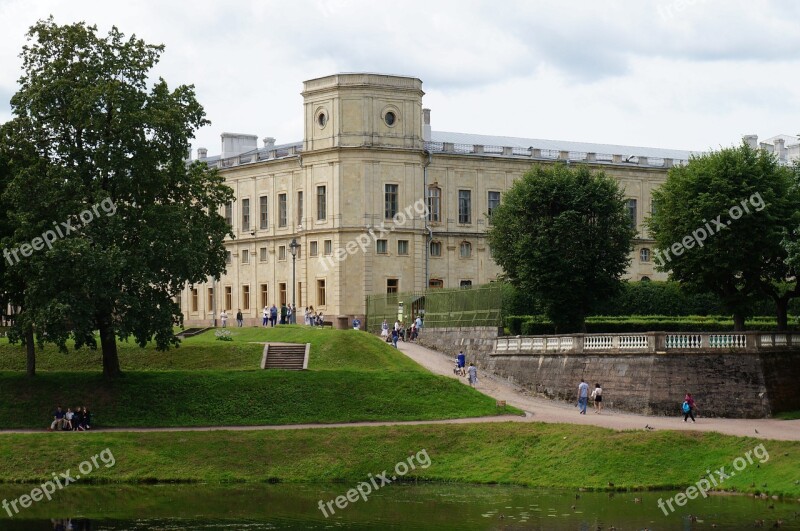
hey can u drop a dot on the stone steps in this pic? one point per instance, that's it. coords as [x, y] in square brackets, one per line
[286, 356]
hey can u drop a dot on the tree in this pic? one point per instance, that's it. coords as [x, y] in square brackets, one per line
[111, 222]
[720, 224]
[562, 234]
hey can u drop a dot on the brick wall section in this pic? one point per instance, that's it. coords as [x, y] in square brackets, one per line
[737, 385]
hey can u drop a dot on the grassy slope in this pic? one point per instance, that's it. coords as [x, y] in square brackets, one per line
[546, 455]
[354, 376]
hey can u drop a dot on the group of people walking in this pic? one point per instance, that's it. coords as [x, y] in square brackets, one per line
[271, 316]
[584, 396]
[400, 331]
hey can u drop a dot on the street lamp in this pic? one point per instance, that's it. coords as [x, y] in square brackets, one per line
[293, 249]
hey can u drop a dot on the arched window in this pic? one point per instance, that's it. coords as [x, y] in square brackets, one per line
[645, 279]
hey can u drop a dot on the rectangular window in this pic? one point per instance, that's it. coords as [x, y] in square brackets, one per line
[327, 247]
[322, 204]
[282, 289]
[245, 214]
[264, 295]
[630, 205]
[392, 285]
[434, 204]
[195, 302]
[282, 252]
[228, 257]
[281, 210]
[436, 248]
[299, 208]
[465, 206]
[383, 246]
[465, 284]
[389, 201]
[245, 256]
[320, 292]
[229, 213]
[313, 248]
[210, 299]
[228, 298]
[245, 297]
[263, 212]
[494, 202]
[436, 283]
[402, 247]
[262, 254]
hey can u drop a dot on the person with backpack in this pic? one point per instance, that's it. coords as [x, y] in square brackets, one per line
[688, 407]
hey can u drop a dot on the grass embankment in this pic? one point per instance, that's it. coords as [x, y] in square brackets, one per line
[354, 377]
[544, 455]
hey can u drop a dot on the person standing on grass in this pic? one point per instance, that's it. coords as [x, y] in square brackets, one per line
[688, 406]
[273, 315]
[224, 317]
[264, 316]
[597, 396]
[472, 375]
[239, 318]
[283, 313]
[583, 396]
[385, 330]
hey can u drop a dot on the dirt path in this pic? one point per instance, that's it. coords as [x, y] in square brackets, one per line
[545, 410]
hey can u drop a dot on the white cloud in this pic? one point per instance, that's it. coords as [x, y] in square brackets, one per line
[669, 73]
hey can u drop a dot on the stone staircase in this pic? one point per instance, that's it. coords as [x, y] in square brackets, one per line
[286, 356]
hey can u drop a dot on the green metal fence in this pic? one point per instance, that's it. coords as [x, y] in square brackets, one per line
[440, 308]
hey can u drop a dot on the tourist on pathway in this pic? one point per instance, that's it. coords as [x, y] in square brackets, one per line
[385, 330]
[356, 324]
[473, 375]
[283, 313]
[239, 318]
[597, 396]
[461, 362]
[418, 325]
[273, 315]
[289, 314]
[583, 396]
[294, 314]
[395, 336]
[224, 318]
[688, 407]
[264, 316]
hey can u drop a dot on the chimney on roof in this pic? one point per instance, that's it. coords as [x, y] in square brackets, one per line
[769, 148]
[780, 149]
[751, 140]
[202, 153]
[426, 125]
[269, 143]
[236, 143]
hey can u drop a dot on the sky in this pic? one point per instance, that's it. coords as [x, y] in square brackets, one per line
[680, 74]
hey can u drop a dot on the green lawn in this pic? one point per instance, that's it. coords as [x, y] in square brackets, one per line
[330, 350]
[353, 376]
[545, 455]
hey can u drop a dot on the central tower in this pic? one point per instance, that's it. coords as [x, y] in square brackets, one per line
[362, 110]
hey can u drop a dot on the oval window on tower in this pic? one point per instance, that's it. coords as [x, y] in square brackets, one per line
[389, 118]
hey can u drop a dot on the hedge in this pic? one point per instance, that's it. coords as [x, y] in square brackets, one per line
[538, 326]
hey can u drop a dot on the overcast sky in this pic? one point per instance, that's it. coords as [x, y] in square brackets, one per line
[684, 74]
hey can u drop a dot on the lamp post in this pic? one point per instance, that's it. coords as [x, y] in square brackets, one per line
[293, 249]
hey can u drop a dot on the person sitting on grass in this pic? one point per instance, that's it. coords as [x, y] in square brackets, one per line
[86, 424]
[77, 419]
[58, 419]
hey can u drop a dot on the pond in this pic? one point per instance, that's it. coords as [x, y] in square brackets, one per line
[396, 506]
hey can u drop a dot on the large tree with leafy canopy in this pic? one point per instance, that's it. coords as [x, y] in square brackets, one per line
[721, 226]
[98, 150]
[562, 234]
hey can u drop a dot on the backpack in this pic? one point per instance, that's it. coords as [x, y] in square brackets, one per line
[685, 407]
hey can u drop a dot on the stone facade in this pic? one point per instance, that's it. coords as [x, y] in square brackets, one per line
[366, 158]
[743, 384]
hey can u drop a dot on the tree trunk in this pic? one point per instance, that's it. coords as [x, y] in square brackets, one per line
[108, 341]
[782, 308]
[30, 349]
[738, 322]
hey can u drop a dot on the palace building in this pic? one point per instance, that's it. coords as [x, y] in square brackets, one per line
[377, 202]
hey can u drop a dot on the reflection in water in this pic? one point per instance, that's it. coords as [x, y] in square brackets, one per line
[401, 506]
